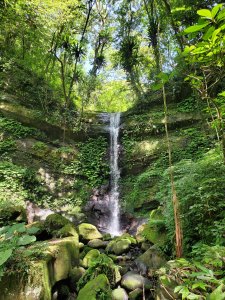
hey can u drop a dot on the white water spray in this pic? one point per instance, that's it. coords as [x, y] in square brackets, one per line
[114, 221]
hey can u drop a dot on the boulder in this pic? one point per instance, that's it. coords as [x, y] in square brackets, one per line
[88, 232]
[12, 213]
[132, 280]
[90, 256]
[94, 288]
[119, 294]
[54, 222]
[120, 244]
[135, 294]
[151, 259]
[97, 243]
[60, 257]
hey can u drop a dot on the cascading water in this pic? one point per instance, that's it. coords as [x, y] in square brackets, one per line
[114, 220]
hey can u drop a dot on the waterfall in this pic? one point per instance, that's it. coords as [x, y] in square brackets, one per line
[114, 220]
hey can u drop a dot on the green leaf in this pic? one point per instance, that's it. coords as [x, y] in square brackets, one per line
[195, 28]
[218, 294]
[199, 284]
[32, 230]
[221, 15]
[208, 33]
[4, 256]
[26, 240]
[222, 94]
[216, 9]
[206, 13]
[178, 288]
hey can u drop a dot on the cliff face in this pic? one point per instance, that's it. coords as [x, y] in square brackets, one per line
[52, 167]
[62, 169]
[144, 150]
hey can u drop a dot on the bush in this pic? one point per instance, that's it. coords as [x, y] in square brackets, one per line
[200, 187]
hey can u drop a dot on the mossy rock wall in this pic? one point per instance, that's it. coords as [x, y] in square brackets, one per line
[144, 149]
[61, 256]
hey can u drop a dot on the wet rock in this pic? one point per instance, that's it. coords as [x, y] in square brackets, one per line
[118, 247]
[151, 259]
[107, 237]
[135, 294]
[94, 287]
[90, 256]
[119, 294]
[132, 280]
[89, 232]
[120, 244]
[97, 243]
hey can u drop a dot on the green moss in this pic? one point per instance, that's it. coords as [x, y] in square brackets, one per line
[96, 289]
[54, 223]
[91, 256]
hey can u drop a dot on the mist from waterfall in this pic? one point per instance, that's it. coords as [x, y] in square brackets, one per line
[114, 221]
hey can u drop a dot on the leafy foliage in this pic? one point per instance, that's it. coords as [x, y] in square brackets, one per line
[13, 239]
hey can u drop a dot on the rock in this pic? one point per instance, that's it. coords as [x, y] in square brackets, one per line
[94, 288]
[151, 259]
[135, 294]
[89, 232]
[90, 256]
[12, 213]
[155, 231]
[75, 274]
[120, 244]
[119, 294]
[54, 223]
[106, 237]
[139, 234]
[81, 246]
[97, 243]
[59, 259]
[146, 245]
[132, 280]
[68, 230]
[118, 247]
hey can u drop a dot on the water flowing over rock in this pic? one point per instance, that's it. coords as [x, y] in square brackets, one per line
[114, 220]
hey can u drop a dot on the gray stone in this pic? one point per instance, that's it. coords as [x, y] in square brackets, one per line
[119, 294]
[97, 243]
[132, 280]
[89, 232]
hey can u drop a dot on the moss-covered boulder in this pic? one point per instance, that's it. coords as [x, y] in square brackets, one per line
[67, 230]
[121, 244]
[119, 294]
[155, 230]
[54, 223]
[132, 280]
[95, 288]
[89, 257]
[88, 232]
[150, 259]
[97, 243]
[60, 256]
[12, 213]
